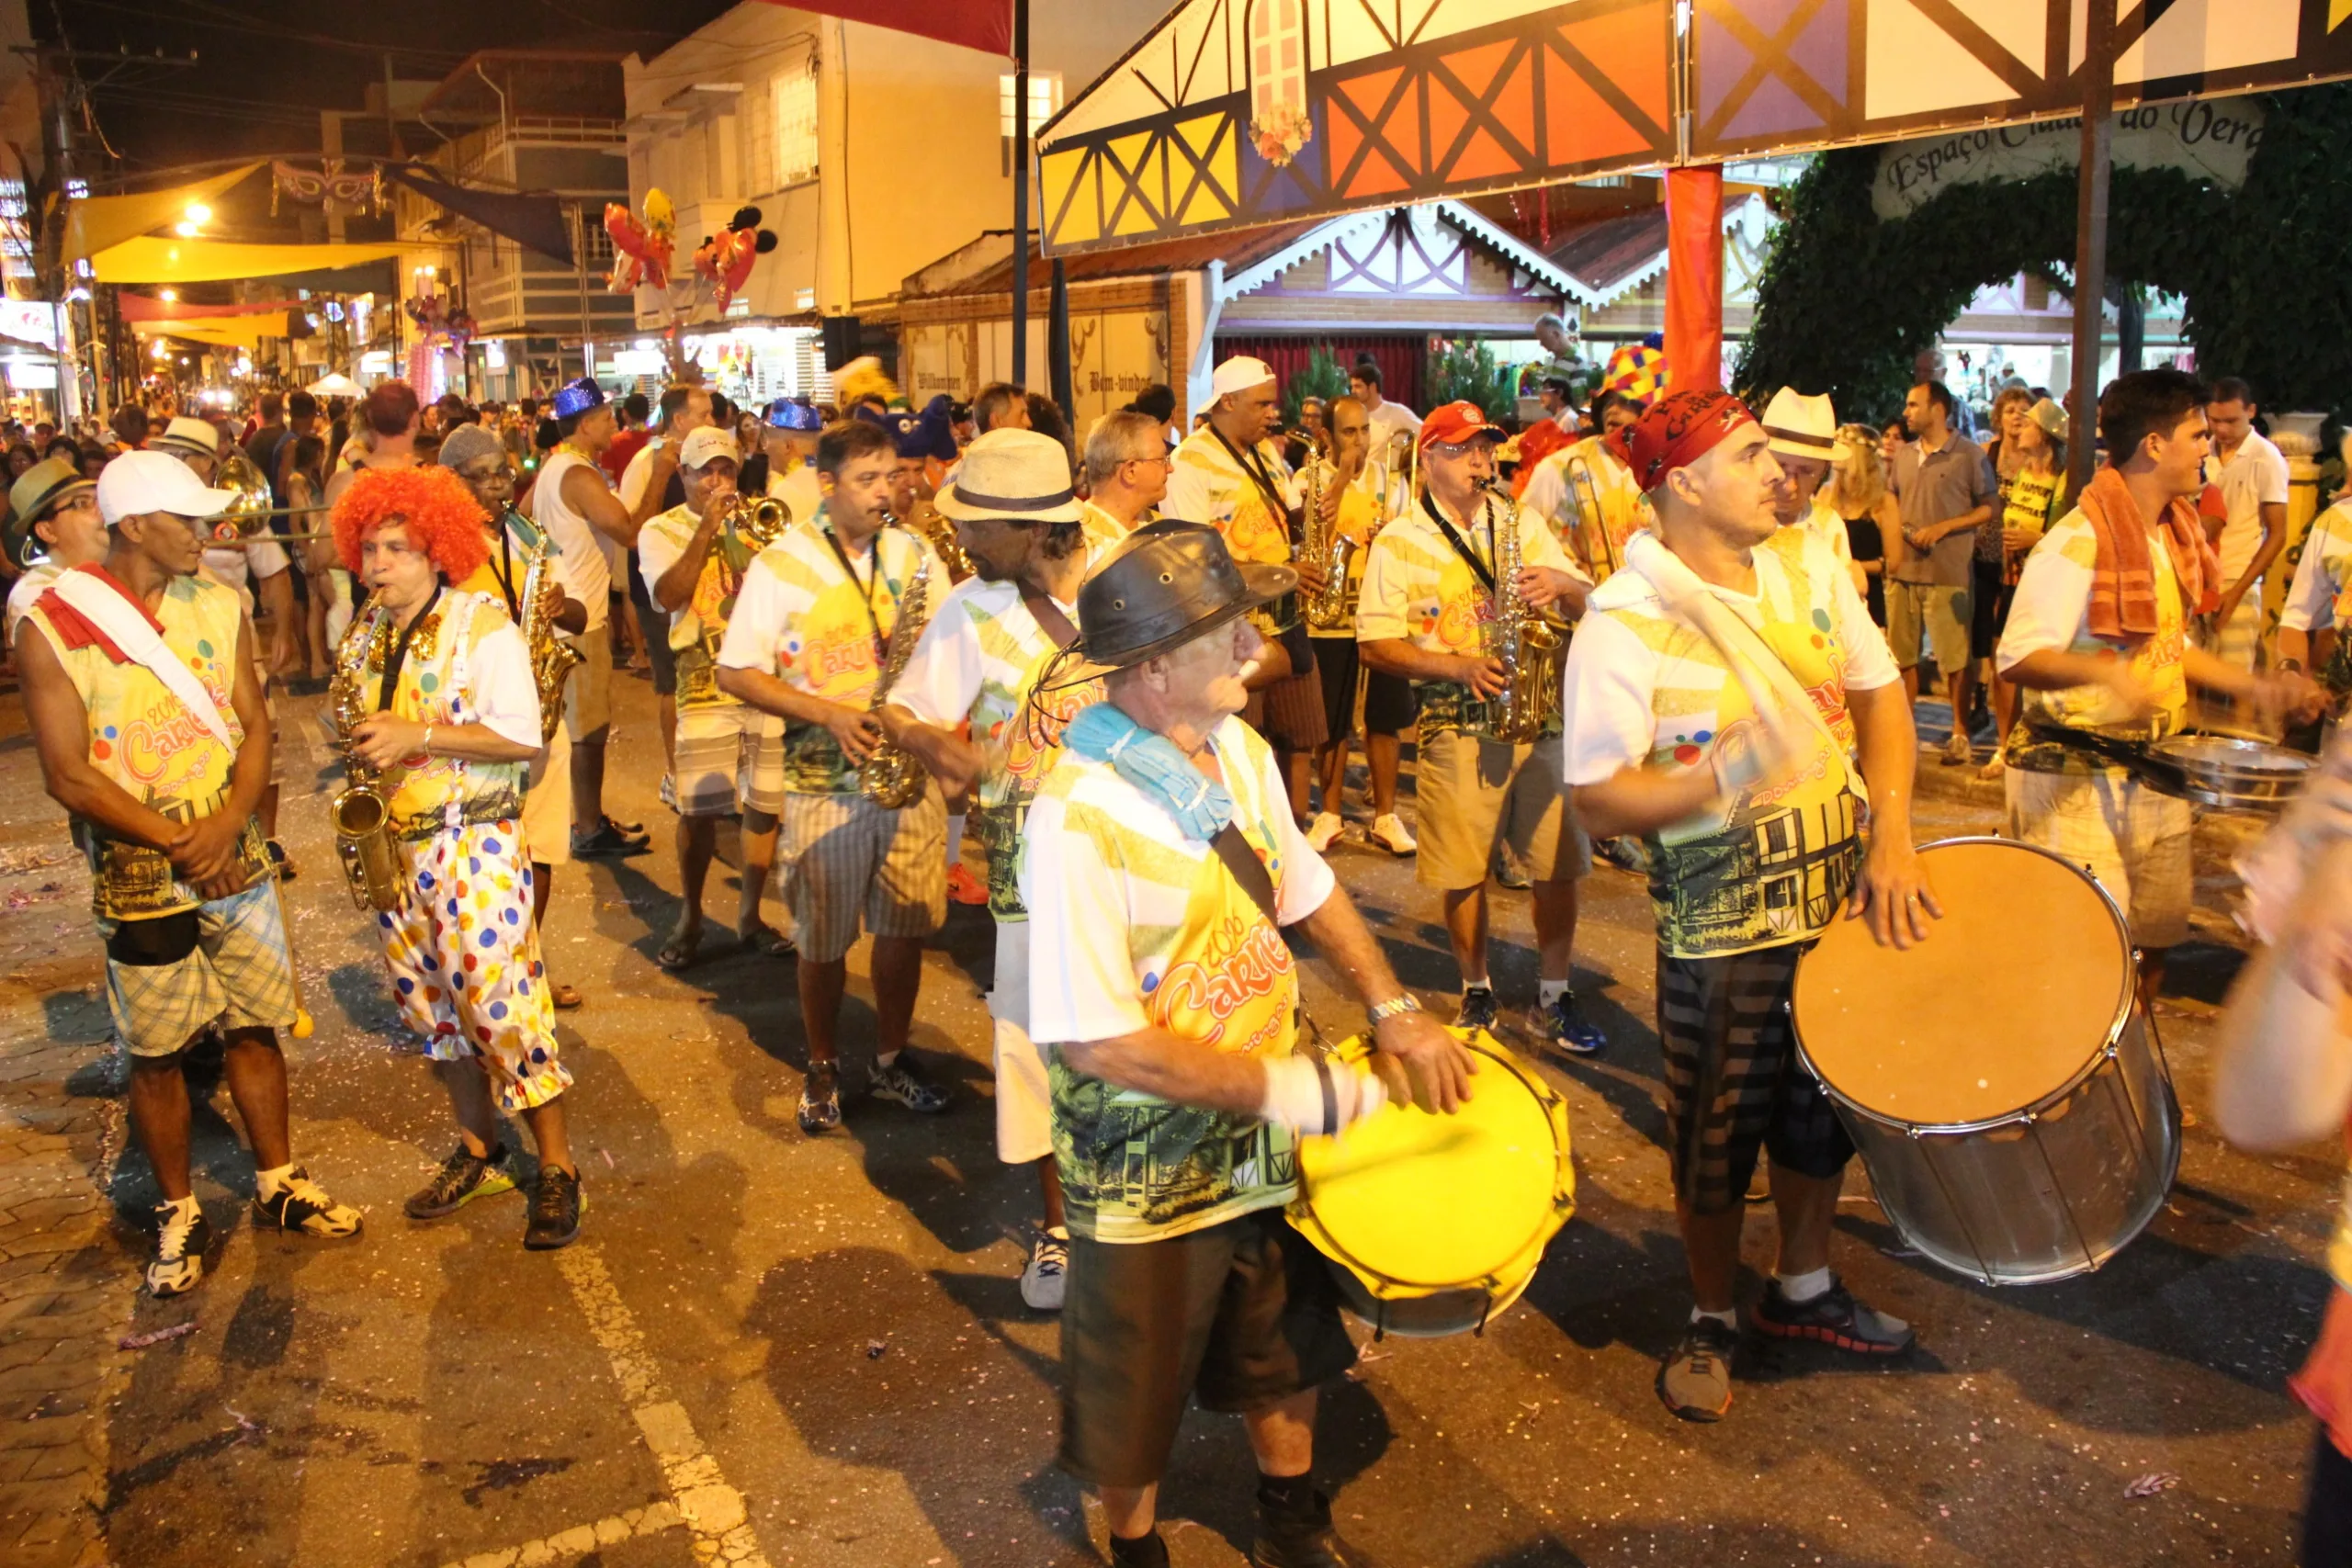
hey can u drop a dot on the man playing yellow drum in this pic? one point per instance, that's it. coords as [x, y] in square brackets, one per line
[979, 660]
[730, 757]
[451, 722]
[1158, 861]
[146, 707]
[1430, 594]
[1748, 805]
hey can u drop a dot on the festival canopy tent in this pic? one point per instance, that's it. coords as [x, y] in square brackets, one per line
[147, 308]
[334, 384]
[147, 259]
[94, 224]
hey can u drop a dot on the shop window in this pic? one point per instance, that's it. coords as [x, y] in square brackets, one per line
[1044, 102]
[1279, 123]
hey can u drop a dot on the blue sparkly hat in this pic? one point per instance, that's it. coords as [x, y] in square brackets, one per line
[578, 397]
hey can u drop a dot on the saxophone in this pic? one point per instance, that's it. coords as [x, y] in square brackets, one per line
[888, 777]
[1530, 646]
[1333, 551]
[551, 657]
[360, 815]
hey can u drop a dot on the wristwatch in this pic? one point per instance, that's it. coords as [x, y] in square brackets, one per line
[1401, 1003]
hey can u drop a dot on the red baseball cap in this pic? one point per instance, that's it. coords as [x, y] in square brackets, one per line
[1676, 431]
[1457, 422]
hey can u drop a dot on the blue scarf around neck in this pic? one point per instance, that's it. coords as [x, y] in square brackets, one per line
[1154, 765]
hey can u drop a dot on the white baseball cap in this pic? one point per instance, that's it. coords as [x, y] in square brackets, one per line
[140, 482]
[706, 442]
[1237, 374]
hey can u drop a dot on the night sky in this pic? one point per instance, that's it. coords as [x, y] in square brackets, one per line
[264, 68]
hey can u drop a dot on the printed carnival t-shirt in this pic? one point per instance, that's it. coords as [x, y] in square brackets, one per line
[800, 617]
[1134, 925]
[978, 658]
[1418, 589]
[696, 631]
[144, 740]
[1644, 688]
[2321, 596]
[465, 664]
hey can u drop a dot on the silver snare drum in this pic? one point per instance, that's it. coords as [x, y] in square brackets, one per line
[2001, 1079]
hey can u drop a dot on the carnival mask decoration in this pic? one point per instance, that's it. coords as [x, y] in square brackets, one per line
[641, 251]
[725, 258]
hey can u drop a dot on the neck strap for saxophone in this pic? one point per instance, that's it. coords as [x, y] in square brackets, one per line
[1479, 568]
[1253, 463]
[872, 585]
[399, 655]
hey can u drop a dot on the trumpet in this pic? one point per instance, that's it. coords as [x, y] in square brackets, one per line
[1585, 491]
[756, 520]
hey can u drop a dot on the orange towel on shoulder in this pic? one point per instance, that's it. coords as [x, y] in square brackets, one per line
[2123, 580]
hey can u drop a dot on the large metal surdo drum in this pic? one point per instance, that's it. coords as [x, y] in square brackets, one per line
[2000, 1079]
[1432, 1222]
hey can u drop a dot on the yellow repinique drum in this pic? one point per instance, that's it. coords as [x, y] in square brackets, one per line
[1434, 1224]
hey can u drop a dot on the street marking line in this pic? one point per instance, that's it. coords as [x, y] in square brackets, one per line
[700, 1497]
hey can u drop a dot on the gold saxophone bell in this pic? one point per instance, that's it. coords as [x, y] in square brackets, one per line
[1329, 549]
[890, 777]
[363, 841]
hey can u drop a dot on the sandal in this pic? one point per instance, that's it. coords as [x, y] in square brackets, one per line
[681, 949]
[565, 998]
[767, 941]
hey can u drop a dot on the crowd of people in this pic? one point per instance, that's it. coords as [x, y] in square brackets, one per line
[1129, 664]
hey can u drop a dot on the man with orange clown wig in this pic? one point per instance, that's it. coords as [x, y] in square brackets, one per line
[451, 723]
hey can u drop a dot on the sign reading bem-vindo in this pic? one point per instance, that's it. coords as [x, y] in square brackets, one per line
[2210, 139]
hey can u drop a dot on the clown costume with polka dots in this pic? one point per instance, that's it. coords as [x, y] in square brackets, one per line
[452, 725]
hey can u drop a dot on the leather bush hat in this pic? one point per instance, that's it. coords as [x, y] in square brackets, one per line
[1170, 583]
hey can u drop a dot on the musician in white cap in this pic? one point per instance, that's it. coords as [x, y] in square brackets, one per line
[146, 708]
[1231, 474]
[1803, 428]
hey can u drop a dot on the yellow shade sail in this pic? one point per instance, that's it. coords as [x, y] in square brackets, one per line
[146, 259]
[94, 224]
[226, 332]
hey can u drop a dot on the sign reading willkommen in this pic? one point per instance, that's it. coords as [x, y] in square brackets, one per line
[2207, 138]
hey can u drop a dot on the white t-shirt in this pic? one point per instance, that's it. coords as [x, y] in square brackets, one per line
[506, 694]
[27, 588]
[1387, 420]
[2255, 476]
[587, 572]
[798, 491]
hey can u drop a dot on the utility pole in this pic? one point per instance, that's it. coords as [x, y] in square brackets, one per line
[2090, 238]
[1021, 193]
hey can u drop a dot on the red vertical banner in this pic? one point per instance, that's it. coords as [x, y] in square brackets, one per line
[1694, 276]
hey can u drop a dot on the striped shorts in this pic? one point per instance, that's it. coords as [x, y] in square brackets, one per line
[844, 856]
[240, 974]
[730, 757]
[1733, 1081]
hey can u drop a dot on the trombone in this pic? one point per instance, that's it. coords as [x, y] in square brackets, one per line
[1585, 491]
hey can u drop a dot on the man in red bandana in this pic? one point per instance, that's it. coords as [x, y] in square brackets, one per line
[1665, 741]
[147, 709]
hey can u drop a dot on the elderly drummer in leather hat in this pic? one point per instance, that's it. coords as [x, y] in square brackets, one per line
[1159, 863]
[1719, 693]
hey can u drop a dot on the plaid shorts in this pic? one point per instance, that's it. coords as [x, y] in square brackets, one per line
[729, 755]
[239, 974]
[1733, 1082]
[844, 856]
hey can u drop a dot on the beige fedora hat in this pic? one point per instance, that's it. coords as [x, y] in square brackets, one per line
[1021, 476]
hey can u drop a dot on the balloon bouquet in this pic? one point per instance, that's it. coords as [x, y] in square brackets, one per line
[644, 248]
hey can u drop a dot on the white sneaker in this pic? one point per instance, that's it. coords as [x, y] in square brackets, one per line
[1323, 830]
[1959, 748]
[1042, 1283]
[1389, 833]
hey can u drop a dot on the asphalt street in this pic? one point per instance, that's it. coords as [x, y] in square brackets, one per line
[770, 1349]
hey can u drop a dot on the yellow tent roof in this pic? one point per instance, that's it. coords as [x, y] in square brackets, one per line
[229, 332]
[98, 223]
[147, 259]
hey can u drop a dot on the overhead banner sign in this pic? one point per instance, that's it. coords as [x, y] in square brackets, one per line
[2206, 138]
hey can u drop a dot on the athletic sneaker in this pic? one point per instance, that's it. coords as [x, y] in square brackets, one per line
[1695, 1378]
[963, 887]
[668, 793]
[1563, 1026]
[904, 1082]
[181, 1236]
[1834, 1317]
[1049, 1271]
[1323, 830]
[463, 1176]
[1509, 870]
[555, 1209]
[1388, 832]
[1479, 1009]
[301, 1204]
[1958, 749]
[820, 1099]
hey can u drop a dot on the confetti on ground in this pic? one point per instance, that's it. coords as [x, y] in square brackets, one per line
[2155, 1481]
[141, 1341]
